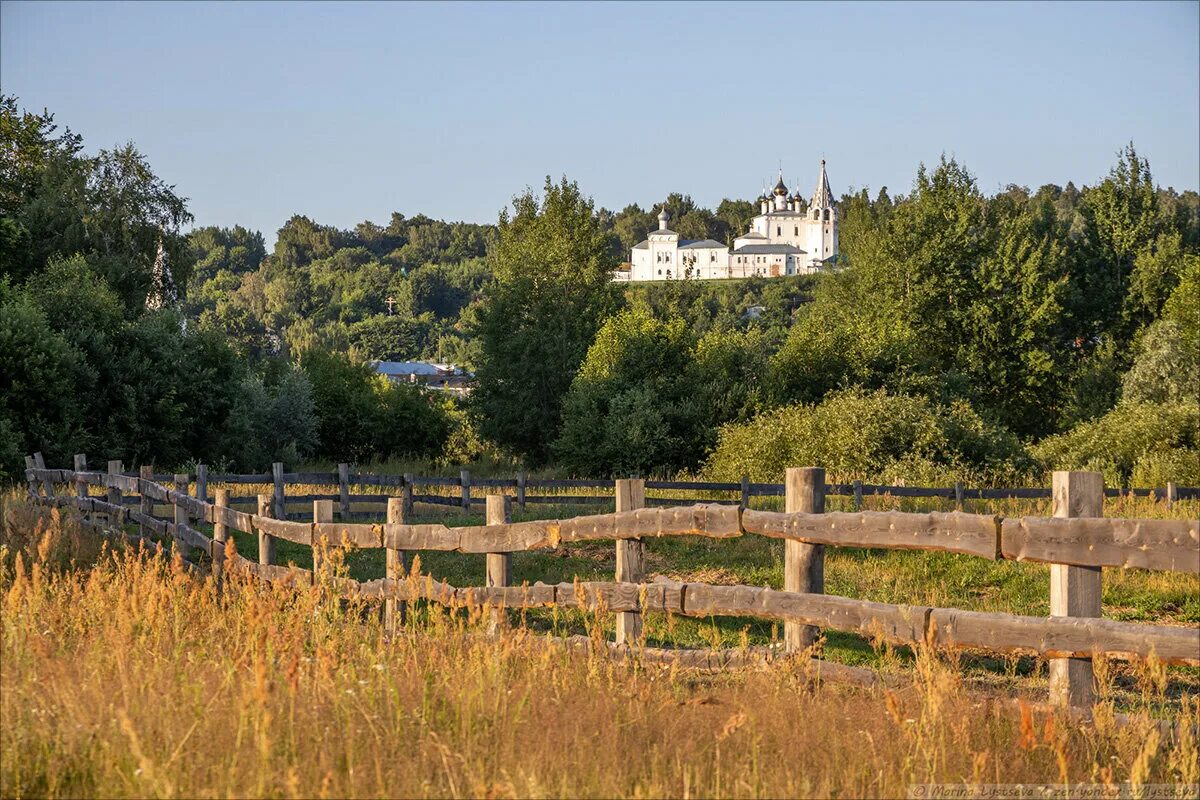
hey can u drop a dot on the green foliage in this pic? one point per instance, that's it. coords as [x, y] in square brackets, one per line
[869, 436]
[631, 406]
[363, 416]
[961, 315]
[553, 267]
[1165, 370]
[465, 445]
[1135, 442]
[273, 419]
[111, 208]
[948, 294]
[38, 373]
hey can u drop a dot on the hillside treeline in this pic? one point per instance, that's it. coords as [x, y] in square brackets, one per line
[970, 336]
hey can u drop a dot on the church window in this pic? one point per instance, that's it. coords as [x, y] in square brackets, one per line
[797, 233]
[778, 230]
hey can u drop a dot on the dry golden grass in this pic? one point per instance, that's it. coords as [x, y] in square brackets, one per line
[132, 678]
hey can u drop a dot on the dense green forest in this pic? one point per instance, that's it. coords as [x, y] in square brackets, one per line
[970, 336]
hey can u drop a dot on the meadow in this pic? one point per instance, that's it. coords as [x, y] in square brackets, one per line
[127, 675]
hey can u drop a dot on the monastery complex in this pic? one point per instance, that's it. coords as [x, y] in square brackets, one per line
[784, 239]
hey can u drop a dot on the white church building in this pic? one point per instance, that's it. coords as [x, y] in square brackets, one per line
[784, 239]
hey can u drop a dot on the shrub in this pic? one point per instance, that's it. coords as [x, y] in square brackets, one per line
[870, 436]
[1136, 442]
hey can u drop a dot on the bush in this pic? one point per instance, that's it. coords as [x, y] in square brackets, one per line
[1166, 369]
[1141, 443]
[634, 406]
[870, 436]
[362, 416]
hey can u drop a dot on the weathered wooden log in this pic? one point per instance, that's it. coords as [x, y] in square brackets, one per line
[337, 534]
[279, 504]
[148, 522]
[290, 575]
[81, 489]
[704, 520]
[344, 492]
[220, 532]
[1075, 591]
[499, 562]
[631, 557]
[395, 569]
[39, 463]
[266, 542]
[895, 623]
[322, 514]
[154, 491]
[312, 478]
[714, 521]
[227, 478]
[298, 532]
[954, 532]
[189, 536]
[1160, 544]
[1052, 637]
[238, 520]
[1064, 637]
[508, 537]
[803, 562]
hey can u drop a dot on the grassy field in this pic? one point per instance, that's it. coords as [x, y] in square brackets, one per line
[133, 678]
[927, 578]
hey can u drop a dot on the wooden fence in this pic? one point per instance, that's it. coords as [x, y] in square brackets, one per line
[1077, 542]
[458, 490]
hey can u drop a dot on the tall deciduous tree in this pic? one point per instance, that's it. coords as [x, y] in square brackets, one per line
[553, 268]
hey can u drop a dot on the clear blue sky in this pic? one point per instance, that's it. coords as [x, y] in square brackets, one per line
[348, 112]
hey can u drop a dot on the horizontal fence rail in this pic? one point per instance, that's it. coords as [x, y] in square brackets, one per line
[1077, 546]
[746, 489]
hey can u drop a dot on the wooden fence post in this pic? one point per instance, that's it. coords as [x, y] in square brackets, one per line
[803, 564]
[40, 463]
[81, 487]
[499, 565]
[1172, 494]
[146, 504]
[522, 478]
[322, 512]
[115, 518]
[406, 492]
[202, 482]
[344, 491]
[858, 495]
[266, 544]
[1075, 591]
[958, 495]
[220, 535]
[465, 479]
[280, 506]
[745, 492]
[181, 515]
[631, 557]
[33, 484]
[395, 565]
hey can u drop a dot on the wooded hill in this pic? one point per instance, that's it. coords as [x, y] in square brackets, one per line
[972, 336]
